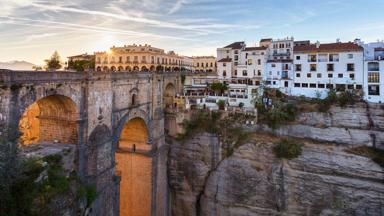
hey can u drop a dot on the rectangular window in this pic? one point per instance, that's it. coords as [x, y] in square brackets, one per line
[373, 90]
[224, 73]
[304, 85]
[258, 72]
[319, 75]
[273, 65]
[309, 75]
[333, 57]
[297, 85]
[249, 61]
[352, 76]
[224, 64]
[298, 75]
[329, 86]
[359, 86]
[321, 86]
[312, 58]
[298, 67]
[330, 75]
[350, 56]
[298, 57]
[330, 67]
[350, 86]
[312, 85]
[340, 75]
[235, 72]
[245, 73]
[340, 87]
[313, 67]
[350, 67]
[373, 66]
[258, 61]
[374, 77]
[323, 57]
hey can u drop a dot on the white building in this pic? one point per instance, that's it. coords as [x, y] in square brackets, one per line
[279, 65]
[373, 72]
[238, 64]
[318, 67]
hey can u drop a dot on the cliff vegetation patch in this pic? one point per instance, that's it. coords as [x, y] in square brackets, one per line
[288, 149]
[377, 155]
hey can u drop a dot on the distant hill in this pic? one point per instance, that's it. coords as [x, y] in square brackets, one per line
[16, 65]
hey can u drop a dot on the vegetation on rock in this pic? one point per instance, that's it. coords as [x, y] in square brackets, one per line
[231, 134]
[377, 155]
[32, 186]
[288, 149]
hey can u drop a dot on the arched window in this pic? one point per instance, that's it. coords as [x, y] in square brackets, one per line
[133, 102]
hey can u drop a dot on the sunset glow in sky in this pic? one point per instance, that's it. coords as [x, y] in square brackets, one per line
[32, 29]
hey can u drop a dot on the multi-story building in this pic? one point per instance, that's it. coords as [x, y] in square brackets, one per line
[373, 72]
[318, 67]
[240, 64]
[206, 64]
[279, 65]
[138, 58]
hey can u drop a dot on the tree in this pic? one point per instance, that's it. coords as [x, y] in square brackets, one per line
[36, 68]
[219, 87]
[54, 62]
[81, 65]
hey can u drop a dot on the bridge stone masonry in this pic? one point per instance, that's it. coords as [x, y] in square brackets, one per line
[115, 121]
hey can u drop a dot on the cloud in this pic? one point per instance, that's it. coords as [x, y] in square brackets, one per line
[39, 36]
[177, 6]
[72, 26]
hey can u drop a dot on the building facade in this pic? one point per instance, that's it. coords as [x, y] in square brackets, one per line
[139, 58]
[205, 64]
[318, 67]
[373, 72]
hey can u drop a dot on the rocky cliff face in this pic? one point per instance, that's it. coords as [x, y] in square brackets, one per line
[324, 180]
[360, 124]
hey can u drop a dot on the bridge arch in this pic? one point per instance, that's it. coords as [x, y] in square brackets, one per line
[120, 68]
[136, 68]
[50, 119]
[134, 165]
[128, 68]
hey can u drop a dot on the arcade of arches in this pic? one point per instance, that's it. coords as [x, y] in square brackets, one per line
[134, 169]
[50, 119]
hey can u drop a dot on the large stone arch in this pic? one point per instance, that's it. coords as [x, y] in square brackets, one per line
[49, 119]
[132, 113]
[134, 165]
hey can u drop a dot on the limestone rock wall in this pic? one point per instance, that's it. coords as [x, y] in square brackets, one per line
[360, 124]
[189, 165]
[324, 180]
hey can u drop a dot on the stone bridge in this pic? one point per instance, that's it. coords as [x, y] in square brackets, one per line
[114, 120]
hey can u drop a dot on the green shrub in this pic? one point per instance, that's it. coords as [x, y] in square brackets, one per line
[288, 149]
[241, 104]
[280, 114]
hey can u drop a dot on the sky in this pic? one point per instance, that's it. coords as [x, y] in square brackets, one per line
[32, 30]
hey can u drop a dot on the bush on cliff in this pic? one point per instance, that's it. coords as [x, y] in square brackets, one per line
[288, 149]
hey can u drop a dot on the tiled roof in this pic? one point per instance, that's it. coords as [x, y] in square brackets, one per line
[236, 45]
[379, 49]
[225, 60]
[331, 47]
[266, 40]
[255, 48]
